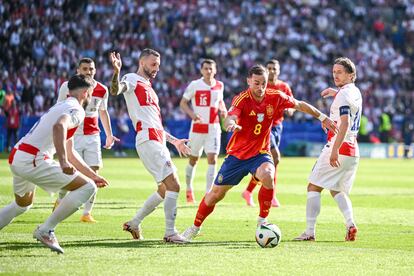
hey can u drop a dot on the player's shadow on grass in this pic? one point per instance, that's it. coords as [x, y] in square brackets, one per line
[18, 246]
[122, 243]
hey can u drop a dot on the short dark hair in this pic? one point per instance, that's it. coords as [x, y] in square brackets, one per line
[348, 65]
[85, 60]
[148, 52]
[208, 61]
[257, 69]
[272, 61]
[79, 81]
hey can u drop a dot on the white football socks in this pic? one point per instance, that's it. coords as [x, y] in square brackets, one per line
[211, 173]
[313, 208]
[345, 205]
[9, 212]
[170, 211]
[68, 205]
[189, 176]
[149, 206]
[87, 208]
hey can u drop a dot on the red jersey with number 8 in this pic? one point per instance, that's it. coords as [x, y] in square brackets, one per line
[256, 119]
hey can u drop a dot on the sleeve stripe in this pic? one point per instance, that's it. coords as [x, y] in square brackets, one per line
[240, 98]
[344, 110]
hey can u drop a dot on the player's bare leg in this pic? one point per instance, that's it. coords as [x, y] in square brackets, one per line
[205, 208]
[189, 178]
[265, 174]
[345, 206]
[211, 170]
[87, 208]
[313, 208]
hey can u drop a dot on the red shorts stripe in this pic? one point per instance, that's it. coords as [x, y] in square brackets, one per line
[200, 128]
[90, 126]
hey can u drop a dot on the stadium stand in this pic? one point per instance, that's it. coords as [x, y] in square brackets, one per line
[41, 41]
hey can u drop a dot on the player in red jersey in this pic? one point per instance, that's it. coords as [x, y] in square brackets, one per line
[274, 83]
[250, 117]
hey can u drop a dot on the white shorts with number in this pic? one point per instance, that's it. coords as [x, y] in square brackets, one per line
[210, 142]
[156, 158]
[89, 148]
[338, 179]
[45, 173]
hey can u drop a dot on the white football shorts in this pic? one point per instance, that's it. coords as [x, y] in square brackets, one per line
[45, 173]
[338, 179]
[210, 142]
[89, 148]
[156, 158]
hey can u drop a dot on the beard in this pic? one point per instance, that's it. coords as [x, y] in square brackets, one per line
[149, 74]
[85, 103]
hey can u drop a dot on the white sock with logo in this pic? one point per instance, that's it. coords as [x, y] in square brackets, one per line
[69, 205]
[345, 205]
[170, 211]
[189, 176]
[313, 208]
[149, 206]
[87, 208]
[9, 212]
[211, 173]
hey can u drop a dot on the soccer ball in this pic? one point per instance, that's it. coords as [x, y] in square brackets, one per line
[268, 235]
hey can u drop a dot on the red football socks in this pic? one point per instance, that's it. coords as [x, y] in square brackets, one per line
[203, 212]
[252, 185]
[265, 201]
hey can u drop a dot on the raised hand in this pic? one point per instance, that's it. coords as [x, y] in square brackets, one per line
[116, 61]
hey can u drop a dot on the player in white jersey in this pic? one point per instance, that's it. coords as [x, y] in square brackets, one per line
[206, 96]
[87, 140]
[336, 166]
[31, 162]
[144, 111]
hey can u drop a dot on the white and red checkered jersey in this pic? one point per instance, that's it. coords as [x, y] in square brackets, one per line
[40, 136]
[143, 108]
[99, 101]
[205, 101]
[348, 100]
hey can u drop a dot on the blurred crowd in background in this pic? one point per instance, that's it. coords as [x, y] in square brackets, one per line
[41, 42]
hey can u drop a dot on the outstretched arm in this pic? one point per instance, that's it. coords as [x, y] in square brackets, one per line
[179, 144]
[311, 110]
[116, 86]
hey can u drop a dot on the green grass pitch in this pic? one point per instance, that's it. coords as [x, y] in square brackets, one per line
[383, 200]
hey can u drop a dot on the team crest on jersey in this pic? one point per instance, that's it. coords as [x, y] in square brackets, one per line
[220, 178]
[269, 110]
[260, 117]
